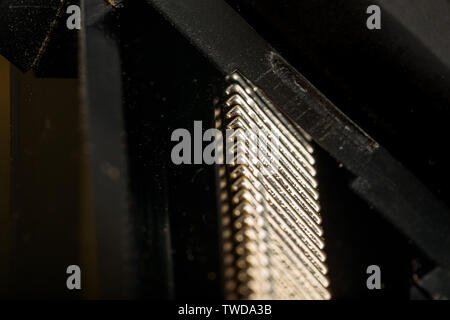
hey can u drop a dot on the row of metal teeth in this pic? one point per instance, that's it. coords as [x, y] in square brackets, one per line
[273, 244]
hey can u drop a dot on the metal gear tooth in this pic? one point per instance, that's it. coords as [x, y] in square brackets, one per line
[273, 220]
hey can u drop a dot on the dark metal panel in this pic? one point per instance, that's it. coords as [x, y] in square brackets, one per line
[102, 93]
[226, 39]
[25, 28]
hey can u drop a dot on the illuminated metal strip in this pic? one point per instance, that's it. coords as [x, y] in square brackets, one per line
[316, 267]
[239, 122]
[311, 281]
[276, 117]
[289, 179]
[285, 220]
[277, 192]
[272, 237]
[241, 98]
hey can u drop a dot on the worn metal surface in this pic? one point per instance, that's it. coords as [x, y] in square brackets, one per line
[230, 43]
[106, 145]
[273, 240]
[33, 35]
[26, 28]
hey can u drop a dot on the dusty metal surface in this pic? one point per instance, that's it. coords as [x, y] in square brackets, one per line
[272, 235]
[26, 29]
[106, 145]
[230, 43]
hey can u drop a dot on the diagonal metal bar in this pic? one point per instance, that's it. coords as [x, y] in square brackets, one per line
[231, 44]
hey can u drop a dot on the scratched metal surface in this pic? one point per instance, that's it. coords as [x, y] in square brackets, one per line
[230, 43]
[382, 181]
[25, 29]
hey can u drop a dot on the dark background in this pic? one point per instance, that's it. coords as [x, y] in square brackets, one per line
[388, 81]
